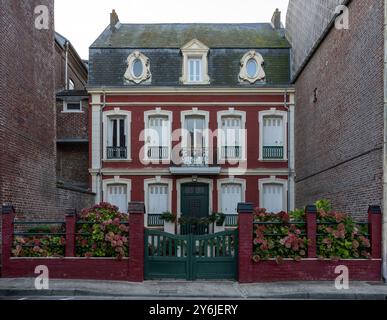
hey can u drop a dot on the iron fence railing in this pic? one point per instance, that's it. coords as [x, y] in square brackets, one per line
[273, 152]
[117, 153]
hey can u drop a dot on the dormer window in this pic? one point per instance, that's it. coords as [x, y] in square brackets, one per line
[138, 70]
[252, 68]
[195, 63]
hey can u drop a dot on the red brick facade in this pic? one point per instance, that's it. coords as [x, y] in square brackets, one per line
[339, 130]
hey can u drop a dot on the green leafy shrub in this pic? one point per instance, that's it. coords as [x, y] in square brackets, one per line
[39, 246]
[277, 237]
[102, 232]
[168, 217]
[340, 237]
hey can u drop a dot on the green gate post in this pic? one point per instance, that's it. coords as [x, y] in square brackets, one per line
[245, 243]
[136, 212]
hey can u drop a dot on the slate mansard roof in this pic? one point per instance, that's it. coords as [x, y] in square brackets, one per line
[161, 43]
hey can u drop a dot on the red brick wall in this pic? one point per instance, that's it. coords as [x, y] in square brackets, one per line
[339, 138]
[72, 125]
[27, 114]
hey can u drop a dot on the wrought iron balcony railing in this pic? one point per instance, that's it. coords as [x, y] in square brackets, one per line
[158, 153]
[154, 220]
[231, 152]
[231, 220]
[195, 156]
[117, 153]
[273, 153]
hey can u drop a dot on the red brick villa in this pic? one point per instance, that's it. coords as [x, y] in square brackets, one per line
[192, 118]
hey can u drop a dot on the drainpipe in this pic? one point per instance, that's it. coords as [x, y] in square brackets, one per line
[66, 65]
[101, 144]
[384, 236]
[288, 146]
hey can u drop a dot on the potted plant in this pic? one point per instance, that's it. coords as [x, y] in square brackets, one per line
[169, 222]
[218, 219]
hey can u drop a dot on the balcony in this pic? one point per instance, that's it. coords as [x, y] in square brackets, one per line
[273, 153]
[195, 161]
[158, 153]
[229, 152]
[195, 157]
[116, 153]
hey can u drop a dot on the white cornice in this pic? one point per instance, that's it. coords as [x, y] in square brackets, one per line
[188, 90]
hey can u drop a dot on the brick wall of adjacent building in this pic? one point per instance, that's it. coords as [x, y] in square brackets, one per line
[72, 125]
[28, 115]
[339, 138]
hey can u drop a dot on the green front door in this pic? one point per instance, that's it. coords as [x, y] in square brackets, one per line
[195, 200]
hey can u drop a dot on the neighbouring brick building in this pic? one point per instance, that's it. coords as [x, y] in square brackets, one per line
[339, 125]
[159, 91]
[72, 109]
[28, 132]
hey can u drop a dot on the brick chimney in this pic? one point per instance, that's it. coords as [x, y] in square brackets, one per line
[114, 20]
[276, 20]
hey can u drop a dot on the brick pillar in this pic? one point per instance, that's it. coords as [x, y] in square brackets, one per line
[8, 216]
[136, 241]
[71, 220]
[245, 241]
[311, 225]
[375, 231]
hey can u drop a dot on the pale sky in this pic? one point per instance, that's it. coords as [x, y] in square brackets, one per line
[82, 21]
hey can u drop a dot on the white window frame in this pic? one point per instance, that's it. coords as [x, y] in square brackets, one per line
[117, 181]
[117, 112]
[259, 76]
[156, 180]
[155, 113]
[65, 110]
[206, 115]
[274, 180]
[195, 50]
[230, 180]
[146, 75]
[232, 113]
[273, 113]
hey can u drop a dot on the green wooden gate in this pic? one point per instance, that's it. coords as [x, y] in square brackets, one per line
[191, 256]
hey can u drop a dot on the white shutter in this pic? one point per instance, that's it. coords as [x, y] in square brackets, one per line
[159, 132]
[110, 132]
[231, 196]
[273, 198]
[273, 132]
[158, 198]
[117, 195]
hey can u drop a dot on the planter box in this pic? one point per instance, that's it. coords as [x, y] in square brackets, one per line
[169, 227]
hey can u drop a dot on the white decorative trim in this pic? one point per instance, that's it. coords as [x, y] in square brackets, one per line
[128, 122]
[117, 181]
[166, 172]
[230, 180]
[232, 112]
[158, 112]
[189, 90]
[260, 74]
[146, 75]
[273, 112]
[179, 182]
[195, 49]
[156, 180]
[274, 180]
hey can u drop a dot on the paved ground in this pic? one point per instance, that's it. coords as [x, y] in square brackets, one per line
[159, 290]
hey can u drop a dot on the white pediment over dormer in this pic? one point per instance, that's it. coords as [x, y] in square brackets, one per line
[195, 63]
[195, 45]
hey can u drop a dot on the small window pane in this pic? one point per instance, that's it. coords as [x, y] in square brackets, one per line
[137, 68]
[74, 106]
[252, 68]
